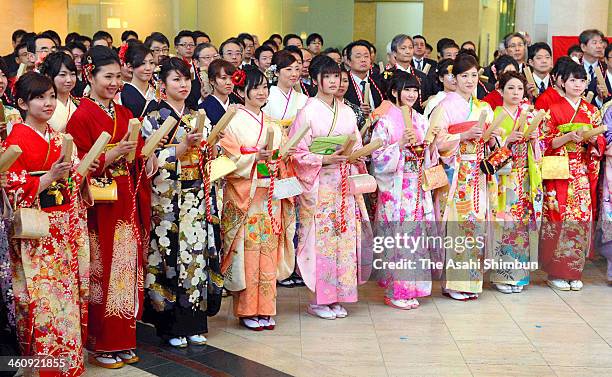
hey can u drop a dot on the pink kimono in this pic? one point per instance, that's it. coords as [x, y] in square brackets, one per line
[328, 258]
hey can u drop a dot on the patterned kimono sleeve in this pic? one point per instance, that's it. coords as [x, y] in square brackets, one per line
[386, 160]
[21, 188]
[79, 129]
[550, 131]
[307, 165]
[166, 157]
[232, 147]
[447, 144]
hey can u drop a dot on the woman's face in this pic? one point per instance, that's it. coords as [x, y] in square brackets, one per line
[107, 81]
[329, 83]
[449, 82]
[257, 96]
[77, 55]
[144, 72]
[177, 86]
[408, 96]
[289, 76]
[467, 81]
[41, 107]
[574, 87]
[344, 84]
[513, 92]
[222, 84]
[65, 80]
[3, 82]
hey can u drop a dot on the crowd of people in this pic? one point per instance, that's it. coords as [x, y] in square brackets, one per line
[245, 166]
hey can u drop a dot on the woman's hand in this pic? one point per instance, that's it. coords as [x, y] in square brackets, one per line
[533, 135]
[123, 147]
[472, 134]
[263, 154]
[58, 171]
[94, 165]
[289, 153]
[560, 141]
[334, 158]
[514, 137]
[593, 139]
[191, 139]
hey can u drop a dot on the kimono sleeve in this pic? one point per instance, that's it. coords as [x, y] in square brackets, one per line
[166, 156]
[232, 147]
[80, 129]
[307, 164]
[446, 144]
[21, 187]
[385, 160]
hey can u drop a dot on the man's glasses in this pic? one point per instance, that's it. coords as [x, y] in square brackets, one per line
[161, 50]
[186, 45]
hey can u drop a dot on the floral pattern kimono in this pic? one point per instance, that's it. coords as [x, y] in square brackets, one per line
[464, 204]
[403, 207]
[183, 281]
[569, 204]
[329, 258]
[51, 274]
[519, 207]
[257, 232]
[282, 107]
[605, 214]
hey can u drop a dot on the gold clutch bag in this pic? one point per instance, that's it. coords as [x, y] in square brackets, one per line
[434, 177]
[555, 167]
[103, 190]
[30, 223]
[220, 167]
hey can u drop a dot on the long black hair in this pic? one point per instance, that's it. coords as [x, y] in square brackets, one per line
[401, 81]
[323, 65]
[170, 64]
[53, 63]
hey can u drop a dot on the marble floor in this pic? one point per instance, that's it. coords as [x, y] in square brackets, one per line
[540, 332]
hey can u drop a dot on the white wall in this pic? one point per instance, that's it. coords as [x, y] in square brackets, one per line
[396, 18]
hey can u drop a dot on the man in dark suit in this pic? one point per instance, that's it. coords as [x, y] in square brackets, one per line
[419, 61]
[591, 43]
[358, 59]
[11, 59]
[402, 49]
[540, 60]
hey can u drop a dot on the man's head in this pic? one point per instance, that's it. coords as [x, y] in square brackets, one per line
[184, 43]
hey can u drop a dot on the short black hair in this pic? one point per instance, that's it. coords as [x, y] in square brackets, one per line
[183, 34]
[31, 85]
[136, 54]
[228, 41]
[442, 67]
[283, 59]
[52, 64]
[72, 45]
[503, 61]
[589, 34]
[245, 36]
[170, 64]
[261, 49]
[274, 36]
[400, 81]
[349, 48]
[127, 34]
[574, 69]
[322, 65]
[52, 34]
[71, 37]
[468, 43]
[270, 42]
[536, 47]
[100, 56]
[101, 34]
[331, 50]
[560, 66]
[290, 36]
[156, 36]
[428, 47]
[607, 51]
[199, 33]
[313, 37]
[446, 45]
[31, 41]
[19, 33]
[441, 42]
[254, 78]
[83, 38]
[574, 48]
[294, 50]
[218, 65]
[419, 36]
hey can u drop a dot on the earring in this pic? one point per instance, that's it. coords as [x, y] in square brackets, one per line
[163, 92]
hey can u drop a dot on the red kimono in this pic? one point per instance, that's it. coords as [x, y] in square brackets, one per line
[569, 207]
[546, 99]
[494, 98]
[50, 274]
[117, 231]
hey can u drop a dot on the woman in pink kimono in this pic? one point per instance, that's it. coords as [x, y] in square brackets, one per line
[403, 207]
[464, 203]
[329, 217]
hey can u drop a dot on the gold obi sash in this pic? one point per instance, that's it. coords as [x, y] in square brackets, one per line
[118, 168]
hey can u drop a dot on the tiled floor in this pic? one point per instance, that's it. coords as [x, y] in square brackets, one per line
[539, 332]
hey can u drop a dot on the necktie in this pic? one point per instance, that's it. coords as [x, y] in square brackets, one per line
[542, 87]
[419, 64]
[362, 88]
[592, 73]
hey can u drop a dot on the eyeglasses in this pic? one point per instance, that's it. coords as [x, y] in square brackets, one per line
[186, 45]
[158, 50]
[209, 57]
[230, 53]
[517, 45]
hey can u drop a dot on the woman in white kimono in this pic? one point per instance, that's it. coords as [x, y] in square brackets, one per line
[60, 68]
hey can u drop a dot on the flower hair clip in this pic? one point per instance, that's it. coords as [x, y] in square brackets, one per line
[122, 52]
[88, 67]
[239, 78]
[271, 73]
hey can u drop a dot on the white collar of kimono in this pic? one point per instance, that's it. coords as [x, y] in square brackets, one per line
[179, 113]
[252, 113]
[45, 135]
[150, 91]
[224, 105]
[574, 105]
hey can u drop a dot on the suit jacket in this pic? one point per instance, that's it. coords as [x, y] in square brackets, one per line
[376, 89]
[609, 86]
[431, 62]
[593, 83]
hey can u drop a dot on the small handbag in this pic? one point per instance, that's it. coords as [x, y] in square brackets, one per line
[30, 223]
[361, 184]
[286, 188]
[496, 160]
[434, 178]
[555, 167]
[103, 190]
[220, 167]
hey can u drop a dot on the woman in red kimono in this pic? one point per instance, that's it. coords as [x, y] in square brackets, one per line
[554, 93]
[118, 229]
[569, 204]
[50, 273]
